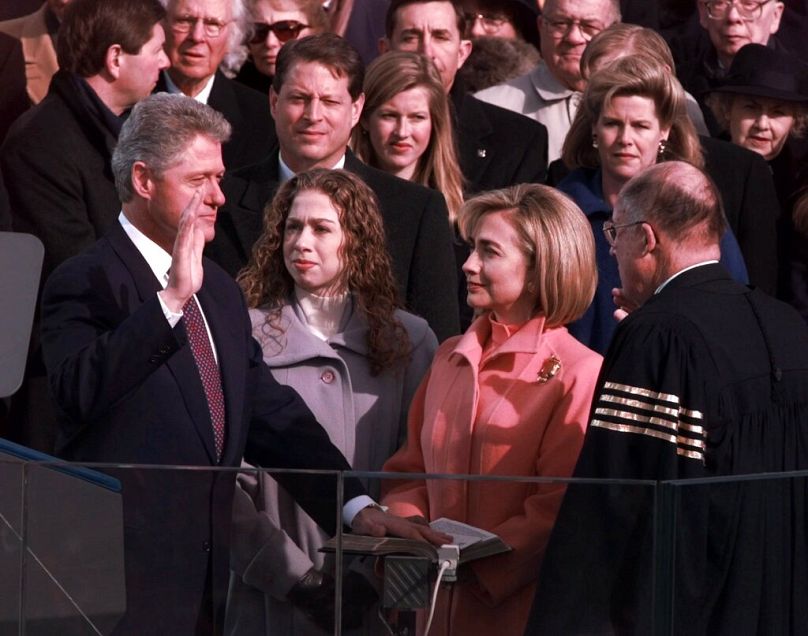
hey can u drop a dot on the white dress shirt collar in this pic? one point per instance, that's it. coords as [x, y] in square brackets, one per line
[202, 96]
[285, 172]
[158, 259]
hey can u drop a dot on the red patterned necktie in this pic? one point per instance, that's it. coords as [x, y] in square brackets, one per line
[208, 369]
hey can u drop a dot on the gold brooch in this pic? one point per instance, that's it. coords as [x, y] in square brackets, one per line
[548, 370]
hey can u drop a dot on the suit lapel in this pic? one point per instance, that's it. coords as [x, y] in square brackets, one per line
[259, 188]
[473, 130]
[182, 364]
[223, 99]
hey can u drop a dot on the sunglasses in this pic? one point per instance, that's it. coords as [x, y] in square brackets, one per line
[284, 30]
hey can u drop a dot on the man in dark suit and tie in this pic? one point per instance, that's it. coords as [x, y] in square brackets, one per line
[316, 100]
[151, 361]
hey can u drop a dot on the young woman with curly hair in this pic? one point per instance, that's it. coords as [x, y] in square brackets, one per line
[324, 308]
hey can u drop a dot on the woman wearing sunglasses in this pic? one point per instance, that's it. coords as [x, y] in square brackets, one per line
[275, 22]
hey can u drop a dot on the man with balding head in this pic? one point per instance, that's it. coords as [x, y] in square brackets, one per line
[551, 92]
[202, 40]
[705, 378]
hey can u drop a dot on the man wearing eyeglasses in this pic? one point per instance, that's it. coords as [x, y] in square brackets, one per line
[705, 378]
[551, 92]
[730, 25]
[202, 37]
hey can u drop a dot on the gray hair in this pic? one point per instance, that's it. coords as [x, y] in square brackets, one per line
[236, 35]
[158, 131]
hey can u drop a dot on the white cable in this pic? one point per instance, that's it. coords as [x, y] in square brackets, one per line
[444, 565]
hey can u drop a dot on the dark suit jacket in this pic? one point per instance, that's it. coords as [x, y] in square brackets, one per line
[56, 168]
[750, 204]
[128, 391]
[247, 111]
[419, 238]
[497, 147]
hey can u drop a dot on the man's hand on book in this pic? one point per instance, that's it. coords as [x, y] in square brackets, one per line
[377, 523]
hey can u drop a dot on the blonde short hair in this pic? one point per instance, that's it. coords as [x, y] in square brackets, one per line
[557, 240]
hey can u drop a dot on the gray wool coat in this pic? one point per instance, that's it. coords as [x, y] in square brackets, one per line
[275, 542]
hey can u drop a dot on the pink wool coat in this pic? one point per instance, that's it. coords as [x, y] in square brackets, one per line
[495, 419]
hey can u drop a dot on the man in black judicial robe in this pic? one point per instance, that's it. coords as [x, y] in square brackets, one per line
[706, 378]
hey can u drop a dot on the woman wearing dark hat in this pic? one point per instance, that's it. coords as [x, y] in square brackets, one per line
[761, 102]
[763, 106]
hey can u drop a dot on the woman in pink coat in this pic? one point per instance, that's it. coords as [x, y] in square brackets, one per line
[509, 397]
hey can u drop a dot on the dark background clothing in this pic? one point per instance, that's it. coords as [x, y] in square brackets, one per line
[497, 148]
[56, 168]
[13, 98]
[750, 205]
[55, 165]
[128, 391]
[16, 8]
[724, 370]
[416, 225]
[247, 110]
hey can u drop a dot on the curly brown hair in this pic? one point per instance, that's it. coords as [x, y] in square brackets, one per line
[367, 273]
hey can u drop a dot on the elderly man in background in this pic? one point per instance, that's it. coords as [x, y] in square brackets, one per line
[551, 92]
[705, 378]
[204, 38]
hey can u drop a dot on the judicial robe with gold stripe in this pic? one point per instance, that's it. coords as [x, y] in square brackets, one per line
[708, 378]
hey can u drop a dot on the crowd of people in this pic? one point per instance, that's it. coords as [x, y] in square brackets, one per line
[463, 237]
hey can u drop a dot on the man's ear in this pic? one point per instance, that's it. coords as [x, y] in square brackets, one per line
[650, 238]
[463, 52]
[356, 109]
[273, 101]
[778, 15]
[384, 46]
[142, 181]
[112, 61]
[704, 19]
